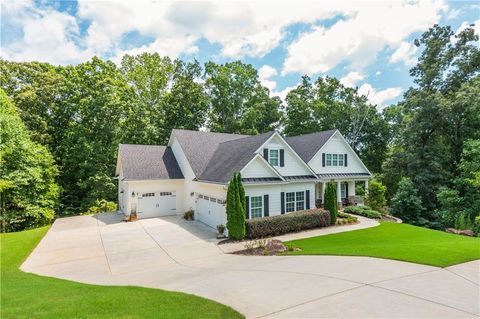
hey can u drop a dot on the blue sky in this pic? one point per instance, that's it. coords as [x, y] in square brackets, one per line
[365, 44]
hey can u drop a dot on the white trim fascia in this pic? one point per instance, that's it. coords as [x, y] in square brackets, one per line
[152, 179]
[290, 148]
[118, 167]
[172, 138]
[348, 145]
[265, 162]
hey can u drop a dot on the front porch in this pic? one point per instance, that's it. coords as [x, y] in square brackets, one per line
[346, 193]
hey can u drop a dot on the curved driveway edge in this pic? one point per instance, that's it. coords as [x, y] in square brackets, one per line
[173, 254]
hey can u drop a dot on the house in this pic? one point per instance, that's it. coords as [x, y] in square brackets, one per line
[280, 175]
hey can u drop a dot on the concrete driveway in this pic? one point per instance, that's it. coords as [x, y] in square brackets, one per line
[174, 254]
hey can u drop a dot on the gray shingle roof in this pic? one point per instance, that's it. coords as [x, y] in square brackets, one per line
[199, 147]
[232, 156]
[140, 162]
[307, 145]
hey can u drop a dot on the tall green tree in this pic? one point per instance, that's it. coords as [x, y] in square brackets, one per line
[326, 104]
[186, 104]
[148, 75]
[238, 101]
[99, 101]
[438, 115]
[28, 192]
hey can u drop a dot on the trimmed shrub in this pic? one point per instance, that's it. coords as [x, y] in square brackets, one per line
[364, 211]
[331, 202]
[282, 224]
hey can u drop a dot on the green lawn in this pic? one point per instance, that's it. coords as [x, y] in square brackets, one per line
[395, 241]
[26, 295]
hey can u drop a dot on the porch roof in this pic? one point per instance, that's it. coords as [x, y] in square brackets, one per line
[343, 175]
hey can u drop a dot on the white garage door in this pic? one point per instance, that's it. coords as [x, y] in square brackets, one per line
[210, 211]
[156, 204]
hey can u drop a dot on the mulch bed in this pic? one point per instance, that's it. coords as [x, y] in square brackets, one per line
[272, 247]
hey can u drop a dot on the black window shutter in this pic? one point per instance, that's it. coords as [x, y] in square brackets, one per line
[345, 159]
[282, 158]
[282, 202]
[247, 205]
[265, 154]
[346, 188]
[307, 199]
[265, 206]
[323, 159]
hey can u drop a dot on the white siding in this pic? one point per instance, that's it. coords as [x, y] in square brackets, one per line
[258, 168]
[293, 164]
[273, 192]
[336, 145]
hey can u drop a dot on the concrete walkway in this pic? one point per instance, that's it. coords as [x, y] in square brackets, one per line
[362, 223]
[173, 254]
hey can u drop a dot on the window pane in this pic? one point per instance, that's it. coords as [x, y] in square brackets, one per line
[343, 190]
[290, 202]
[300, 195]
[256, 212]
[290, 207]
[334, 159]
[340, 159]
[329, 159]
[300, 205]
[290, 197]
[256, 206]
[273, 157]
[256, 201]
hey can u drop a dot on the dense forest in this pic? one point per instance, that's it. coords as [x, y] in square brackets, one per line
[61, 126]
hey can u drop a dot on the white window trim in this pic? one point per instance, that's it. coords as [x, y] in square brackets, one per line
[251, 207]
[334, 159]
[295, 201]
[270, 156]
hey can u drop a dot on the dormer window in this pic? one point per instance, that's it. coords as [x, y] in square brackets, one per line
[273, 157]
[334, 159]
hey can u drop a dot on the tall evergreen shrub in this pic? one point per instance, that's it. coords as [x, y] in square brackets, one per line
[236, 208]
[331, 202]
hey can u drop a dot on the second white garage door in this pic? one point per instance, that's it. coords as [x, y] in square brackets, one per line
[156, 204]
[210, 211]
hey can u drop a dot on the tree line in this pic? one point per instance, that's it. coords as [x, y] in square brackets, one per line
[80, 113]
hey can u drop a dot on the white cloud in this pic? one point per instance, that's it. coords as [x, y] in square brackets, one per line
[368, 28]
[283, 93]
[378, 73]
[466, 24]
[352, 78]
[264, 75]
[404, 53]
[379, 97]
[46, 34]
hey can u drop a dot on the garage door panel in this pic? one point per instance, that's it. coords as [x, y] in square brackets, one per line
[210, 211]
[156, 204]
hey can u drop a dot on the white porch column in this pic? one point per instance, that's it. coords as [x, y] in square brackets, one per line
[351, 188]
[323, 192]
[339, 195]
[366, 187]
